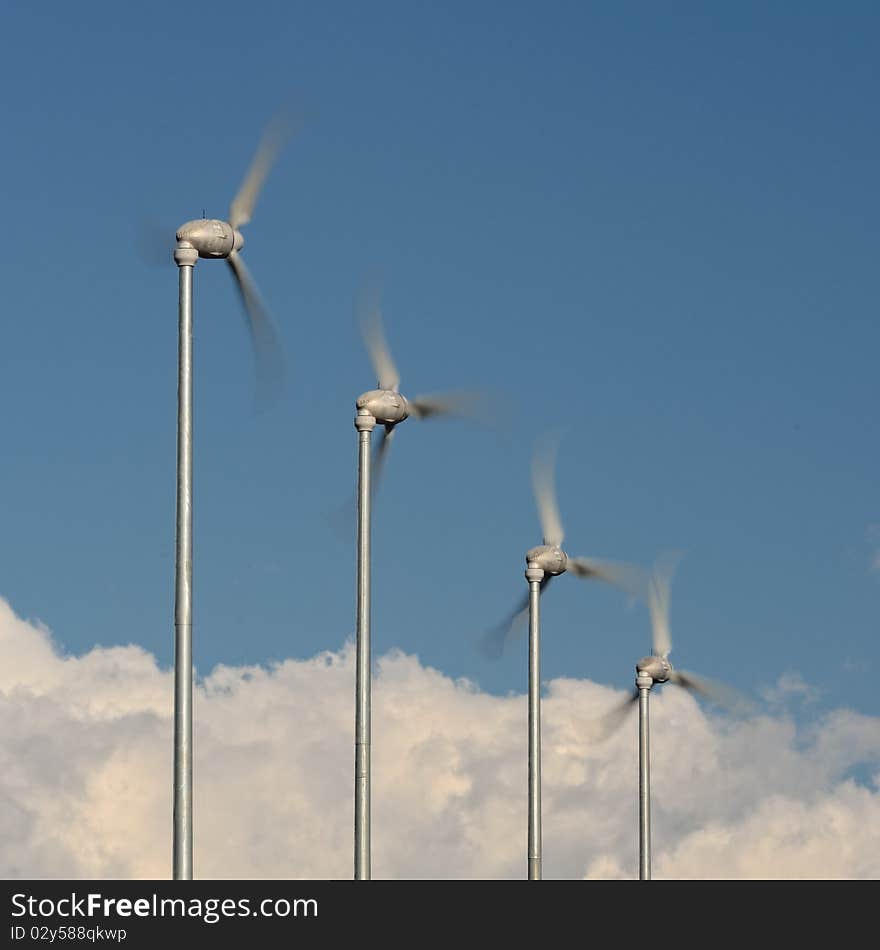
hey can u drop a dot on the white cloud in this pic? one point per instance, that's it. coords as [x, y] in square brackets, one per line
[85, 776]
[790, 685]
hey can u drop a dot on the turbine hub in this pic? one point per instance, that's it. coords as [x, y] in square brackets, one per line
[384, 405]
[657, 667]
[549, 557]
[211, 237]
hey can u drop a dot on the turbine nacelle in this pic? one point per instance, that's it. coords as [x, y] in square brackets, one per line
[211, 237]
[550, 558]
[386, 406]
[657, 667]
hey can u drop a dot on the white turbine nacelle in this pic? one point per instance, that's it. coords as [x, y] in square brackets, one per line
[657, 667]
[211, 237]
[550, 558]
[385, 405]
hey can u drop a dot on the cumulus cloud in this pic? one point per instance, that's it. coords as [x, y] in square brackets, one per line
[85, 775]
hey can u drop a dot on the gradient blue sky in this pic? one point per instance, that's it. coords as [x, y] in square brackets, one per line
[653, 227]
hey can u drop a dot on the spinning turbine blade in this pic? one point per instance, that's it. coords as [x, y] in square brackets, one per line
[727, 697]
[605, 726]
[545, 492]
[380, 456]
[658, 604]
[466, 403]
[242, 208]
[264, 338]
[494, 642]
[625, 576]
[658, 601]
[387, 375]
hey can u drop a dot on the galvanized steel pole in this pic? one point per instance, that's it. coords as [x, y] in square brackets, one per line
[534, 575]
[644, 684]
[365, 423]
[185, 256]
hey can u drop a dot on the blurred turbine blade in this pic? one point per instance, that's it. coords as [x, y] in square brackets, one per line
[468, 404]
[276, 134]
[727, 697]
[604, 727]
[374, 338]
[658, 602]
[627, 577]
[380, 456]
[266, 344]
[543, 467]
[494, 642]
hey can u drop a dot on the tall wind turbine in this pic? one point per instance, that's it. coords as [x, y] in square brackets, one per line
[207, 238]
[653, 669]
[388, 407]
[543, 563]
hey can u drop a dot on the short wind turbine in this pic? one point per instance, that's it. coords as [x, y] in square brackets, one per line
[654, 669]
[543, 563]
[207, 238]
[388, 407]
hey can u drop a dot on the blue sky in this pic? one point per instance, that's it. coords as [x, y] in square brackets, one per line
[653, 229]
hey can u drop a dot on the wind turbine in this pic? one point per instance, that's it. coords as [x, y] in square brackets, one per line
[212, 239]
[388, 407]
[650, 670]
[543, 563]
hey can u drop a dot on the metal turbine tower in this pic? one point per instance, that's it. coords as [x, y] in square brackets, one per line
[543, 563]
[388, 407]
[207, 238]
